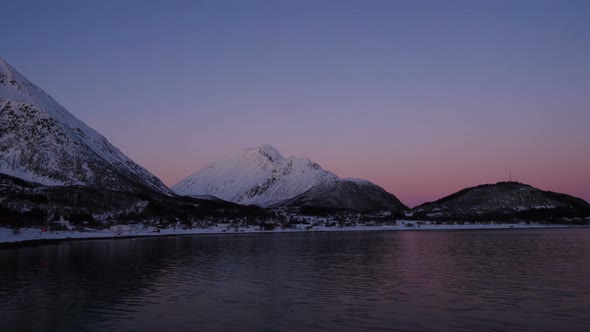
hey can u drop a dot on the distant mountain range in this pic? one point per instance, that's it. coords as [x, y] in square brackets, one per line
[262, 176]
[52, 163]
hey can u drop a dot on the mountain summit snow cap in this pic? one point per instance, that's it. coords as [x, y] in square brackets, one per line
[10, 75]
[3, 67]
[265, 150]
[261, 176]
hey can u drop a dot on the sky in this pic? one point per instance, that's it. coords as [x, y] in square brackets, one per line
[421, 97]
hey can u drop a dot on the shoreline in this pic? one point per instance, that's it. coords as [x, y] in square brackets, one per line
[27, 237]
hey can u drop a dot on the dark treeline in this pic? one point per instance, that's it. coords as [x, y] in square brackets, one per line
[559, 215]
[26, 204]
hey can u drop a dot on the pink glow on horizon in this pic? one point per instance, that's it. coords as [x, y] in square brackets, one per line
[415, 179]
[422, 99]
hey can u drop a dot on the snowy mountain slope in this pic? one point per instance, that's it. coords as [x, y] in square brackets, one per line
[351, 194]
[262, 176]
[40, 141]
[258, 176]
[503, 198]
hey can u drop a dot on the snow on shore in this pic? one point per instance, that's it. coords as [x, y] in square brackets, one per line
[37, 234]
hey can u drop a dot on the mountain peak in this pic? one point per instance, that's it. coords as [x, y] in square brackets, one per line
[16, 87]
[40, 141]
[258, 175]
[266, 150]
[7, 73]
[4, 67]
[357, 181]
[261, 176]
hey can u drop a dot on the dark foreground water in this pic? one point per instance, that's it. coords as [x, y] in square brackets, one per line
[517, 280]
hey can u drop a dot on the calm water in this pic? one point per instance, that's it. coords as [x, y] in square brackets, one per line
[529, 280]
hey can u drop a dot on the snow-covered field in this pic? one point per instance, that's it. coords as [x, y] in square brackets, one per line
[36, 234]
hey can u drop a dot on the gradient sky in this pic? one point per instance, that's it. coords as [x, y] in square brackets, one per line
[421, 97]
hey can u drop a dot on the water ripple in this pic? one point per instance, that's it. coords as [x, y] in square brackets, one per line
[407, 281]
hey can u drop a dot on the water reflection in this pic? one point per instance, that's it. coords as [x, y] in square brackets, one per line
[402, 281]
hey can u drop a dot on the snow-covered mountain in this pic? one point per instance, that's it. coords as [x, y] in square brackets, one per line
[262, 176]
[348, 194]
[40, 141]
[497, 200]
